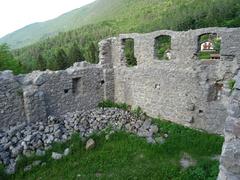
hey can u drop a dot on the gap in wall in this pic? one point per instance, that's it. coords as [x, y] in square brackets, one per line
[209, 46]
[162, 47]
[76, 85]
[129, 52]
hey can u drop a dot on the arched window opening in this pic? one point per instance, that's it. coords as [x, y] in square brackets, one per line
[209, 46]
[162, 47]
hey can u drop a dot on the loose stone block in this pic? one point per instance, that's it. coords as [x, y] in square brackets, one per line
[90, 144]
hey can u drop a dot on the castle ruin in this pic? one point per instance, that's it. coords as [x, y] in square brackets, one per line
[183, 89]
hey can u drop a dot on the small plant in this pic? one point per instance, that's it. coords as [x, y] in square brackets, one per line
[110, 104]
[2, 173]
[205, 169]
[204, 55]
[162, 46]
[217, 44]
[20, 92]
[231, 84]
[138, 112]
[129, 53]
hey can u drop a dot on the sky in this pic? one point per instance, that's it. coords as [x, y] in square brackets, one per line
[15, 14]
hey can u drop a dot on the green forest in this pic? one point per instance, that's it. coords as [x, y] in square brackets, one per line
[62, 50]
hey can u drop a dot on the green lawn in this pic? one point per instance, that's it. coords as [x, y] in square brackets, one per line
[204, 55]
[126, 156]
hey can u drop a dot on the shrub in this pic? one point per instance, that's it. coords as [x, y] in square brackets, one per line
[138, 112]
[231, 84]
[129, 53]
[204, 55]
[162, 45]
[109, 104]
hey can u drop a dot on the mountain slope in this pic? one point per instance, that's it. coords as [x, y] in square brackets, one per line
[171, 14]
[106, 18]
[89, 14]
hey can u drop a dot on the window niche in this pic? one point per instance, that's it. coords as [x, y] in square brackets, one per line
[162, 47]
[77, 86]
[215, 91]
[129, 52]
[209, 46]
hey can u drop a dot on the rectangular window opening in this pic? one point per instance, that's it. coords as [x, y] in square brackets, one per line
[209, 46]
[76, 85]
[129, 52]
[162, 47]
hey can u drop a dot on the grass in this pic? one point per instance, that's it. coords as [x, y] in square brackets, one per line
[204, 55]
[110, 104]
[126, 156]
[129, 53]
[231, 84]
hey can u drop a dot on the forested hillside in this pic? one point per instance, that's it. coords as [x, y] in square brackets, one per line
[89, 14]
[112, 17]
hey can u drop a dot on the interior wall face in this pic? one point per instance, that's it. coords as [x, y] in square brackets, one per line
[184, 89]
[35, 96]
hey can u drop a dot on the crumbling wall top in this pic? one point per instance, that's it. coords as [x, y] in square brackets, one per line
[184, 44]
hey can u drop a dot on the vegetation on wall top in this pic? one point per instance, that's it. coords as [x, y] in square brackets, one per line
[109, 18]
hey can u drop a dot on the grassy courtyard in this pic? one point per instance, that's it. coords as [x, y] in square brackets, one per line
[126, 156]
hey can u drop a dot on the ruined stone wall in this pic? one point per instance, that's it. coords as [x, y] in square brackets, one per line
[33, 97]
[11, 100]
[182, 89]
[230, 159]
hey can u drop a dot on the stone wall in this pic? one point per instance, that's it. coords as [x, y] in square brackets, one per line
[11, 100]
[183, 89]
[230, 159]
[33, 97]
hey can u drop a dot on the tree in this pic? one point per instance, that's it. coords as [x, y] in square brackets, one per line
[41, 63]
[7, 61]
[75, 54]
[5, 55]
[92, 53]
[129, 52]
[61, 59]
[143, 16]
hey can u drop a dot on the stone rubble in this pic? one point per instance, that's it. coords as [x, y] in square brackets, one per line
[90, 144]
[36, 138]
[56, 156]
[66, 152]
[29, 167]
[187, 161]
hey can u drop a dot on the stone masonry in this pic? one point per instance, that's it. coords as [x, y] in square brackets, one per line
[230, 159]
[184, 89]
[33, 97]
